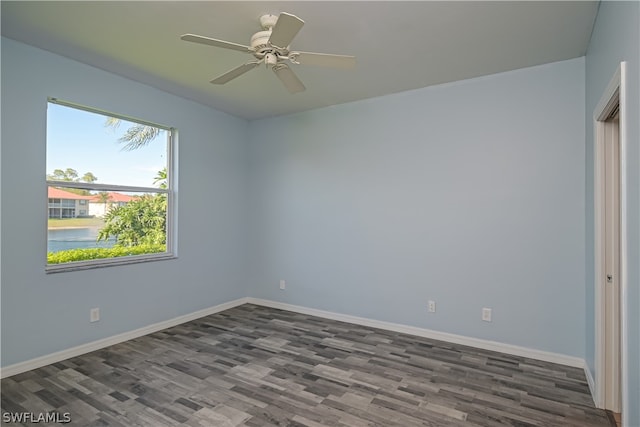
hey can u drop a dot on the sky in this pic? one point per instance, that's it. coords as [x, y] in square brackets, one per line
[80, 140]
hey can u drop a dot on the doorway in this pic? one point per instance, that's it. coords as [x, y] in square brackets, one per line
[611, 285]
[610, 247]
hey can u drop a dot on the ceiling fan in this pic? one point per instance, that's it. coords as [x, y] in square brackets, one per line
[271, 47]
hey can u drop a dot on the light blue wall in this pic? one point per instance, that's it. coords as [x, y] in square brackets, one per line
[44, 313]
[616, 38]
[470, 194]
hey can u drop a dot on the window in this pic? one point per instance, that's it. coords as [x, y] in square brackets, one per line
[109, 190]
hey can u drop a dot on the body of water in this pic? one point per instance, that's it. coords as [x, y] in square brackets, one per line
[60, 239]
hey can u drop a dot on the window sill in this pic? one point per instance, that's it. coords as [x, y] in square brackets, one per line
[106, 262]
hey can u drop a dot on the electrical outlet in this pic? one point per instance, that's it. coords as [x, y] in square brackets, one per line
[432, 306]
[94, 315]
[283, 285]
[486, 314]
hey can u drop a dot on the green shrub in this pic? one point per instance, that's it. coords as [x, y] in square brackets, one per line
[72, 255]
[142, 221]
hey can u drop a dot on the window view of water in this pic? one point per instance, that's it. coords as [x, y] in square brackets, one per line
[60, 239]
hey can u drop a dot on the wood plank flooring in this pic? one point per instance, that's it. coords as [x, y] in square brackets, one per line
[258, 366]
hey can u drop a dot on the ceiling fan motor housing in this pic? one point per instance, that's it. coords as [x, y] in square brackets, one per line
[260, 39]
[260, 42]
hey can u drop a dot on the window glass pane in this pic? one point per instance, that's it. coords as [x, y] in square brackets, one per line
[130, 223]
[89, 147]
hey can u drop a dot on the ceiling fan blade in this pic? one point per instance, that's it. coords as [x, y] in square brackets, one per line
[288, 78]
[214, 42]
[286, 28]
[323, 59]
[236, 72]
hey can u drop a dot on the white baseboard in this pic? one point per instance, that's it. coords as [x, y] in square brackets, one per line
[515, 350]
[48, 359]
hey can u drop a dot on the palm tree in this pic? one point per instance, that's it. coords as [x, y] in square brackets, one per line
[161, 178]
[136, 136]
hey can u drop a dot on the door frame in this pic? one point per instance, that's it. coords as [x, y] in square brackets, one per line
[614, 95]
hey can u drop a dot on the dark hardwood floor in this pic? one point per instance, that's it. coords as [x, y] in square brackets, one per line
[257, 366]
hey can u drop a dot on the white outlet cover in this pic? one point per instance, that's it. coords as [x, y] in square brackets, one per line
[486, 314]
[283, 284]
[94, 315]
[432, 306]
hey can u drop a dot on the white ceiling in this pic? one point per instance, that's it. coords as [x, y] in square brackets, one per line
[399, 45]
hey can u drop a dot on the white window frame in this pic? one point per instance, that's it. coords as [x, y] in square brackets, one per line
[169, 191]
